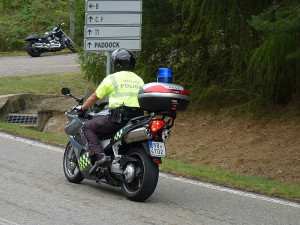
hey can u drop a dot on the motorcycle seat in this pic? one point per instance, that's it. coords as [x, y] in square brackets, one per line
[45, 37]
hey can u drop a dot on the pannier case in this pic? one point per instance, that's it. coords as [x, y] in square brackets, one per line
[159, 96]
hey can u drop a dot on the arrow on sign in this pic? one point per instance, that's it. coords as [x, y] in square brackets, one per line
[89, 31]
[91, 6]
[89, 44]
[91, 18]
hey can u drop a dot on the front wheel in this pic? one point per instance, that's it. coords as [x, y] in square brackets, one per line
[70, 163]
[146, 176]
[31, 50]
[70, 45]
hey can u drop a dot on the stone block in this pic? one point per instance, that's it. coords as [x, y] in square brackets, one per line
[11, 107]
[17, 106]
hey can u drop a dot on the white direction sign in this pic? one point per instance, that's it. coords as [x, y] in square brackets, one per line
[110, 45]
[112, 32]
[114, 6]
[112, 24]
[113, 19]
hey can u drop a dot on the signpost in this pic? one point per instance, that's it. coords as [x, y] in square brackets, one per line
[111, 45]
[112, 24]
[112, 32]
[113, 6]
[131, 19]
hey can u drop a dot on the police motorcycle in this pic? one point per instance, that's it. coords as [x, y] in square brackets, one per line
[135, 151]
[53, 41]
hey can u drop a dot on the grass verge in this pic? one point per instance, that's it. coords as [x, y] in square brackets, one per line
[45, 84]
[52, 84]
[249, 183]
[22, 53]
[7, 54]
[33, 134]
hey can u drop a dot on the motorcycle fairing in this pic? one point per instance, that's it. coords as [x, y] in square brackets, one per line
[84, 162]
[118, 135]
[77, 147]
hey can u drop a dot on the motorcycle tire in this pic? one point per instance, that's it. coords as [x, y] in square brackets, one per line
[145, 181]
[31, 50]
[70, 165]
[70, 45]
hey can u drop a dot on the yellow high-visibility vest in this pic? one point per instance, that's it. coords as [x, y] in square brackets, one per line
[121, 88]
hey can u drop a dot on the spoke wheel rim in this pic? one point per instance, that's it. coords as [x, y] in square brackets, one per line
[135, 185]
[70, 163]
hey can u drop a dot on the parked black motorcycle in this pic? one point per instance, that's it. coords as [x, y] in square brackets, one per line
[135, 151]
[53, 41]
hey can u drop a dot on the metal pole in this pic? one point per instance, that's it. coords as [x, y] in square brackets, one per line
[72, 20]
[108, 63]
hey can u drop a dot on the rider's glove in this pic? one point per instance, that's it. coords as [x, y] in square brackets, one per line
[77, 108]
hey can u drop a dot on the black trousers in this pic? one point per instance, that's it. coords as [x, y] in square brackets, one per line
[98, 127]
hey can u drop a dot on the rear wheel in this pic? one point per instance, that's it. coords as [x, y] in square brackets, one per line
[31, 50]
[145, 178]
[71, 170]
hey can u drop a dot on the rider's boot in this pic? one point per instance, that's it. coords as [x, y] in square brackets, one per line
[100, 161]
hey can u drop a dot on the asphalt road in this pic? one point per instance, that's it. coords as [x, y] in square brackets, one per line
[35, 191]
[45, 64]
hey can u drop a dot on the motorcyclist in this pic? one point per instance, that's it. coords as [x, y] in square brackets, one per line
[122, 88]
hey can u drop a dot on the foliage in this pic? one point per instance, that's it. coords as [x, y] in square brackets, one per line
[79, 10]
[218, 51]
[274, 64]
[93, 65]
[228, 54]
[158, 19]
[19, 18]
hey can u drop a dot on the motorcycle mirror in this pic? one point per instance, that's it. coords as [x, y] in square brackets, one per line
[65, 91]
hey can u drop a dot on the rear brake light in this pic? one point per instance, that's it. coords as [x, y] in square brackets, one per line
[157, 125]
[162, 89]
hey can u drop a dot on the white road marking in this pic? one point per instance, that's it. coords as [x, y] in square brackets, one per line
[231, 190]
[168, 176]
[32, 142]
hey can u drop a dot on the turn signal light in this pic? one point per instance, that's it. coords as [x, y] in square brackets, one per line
[157, 161]
[157, 125]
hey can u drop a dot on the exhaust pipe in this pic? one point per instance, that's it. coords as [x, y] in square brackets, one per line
[47, 46]
[139, 134]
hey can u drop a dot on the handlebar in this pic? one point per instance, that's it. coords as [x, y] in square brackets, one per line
[58, 27]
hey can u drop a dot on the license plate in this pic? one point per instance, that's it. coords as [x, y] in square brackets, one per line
[157, 149]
